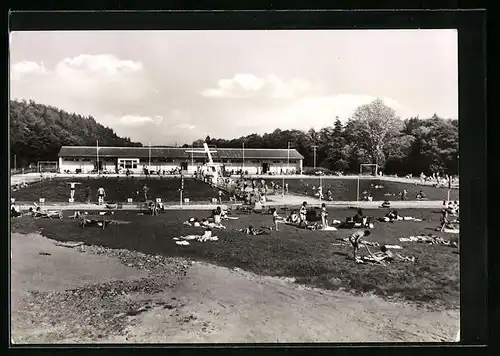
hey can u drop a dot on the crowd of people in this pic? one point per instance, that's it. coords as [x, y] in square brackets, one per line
[439, 180]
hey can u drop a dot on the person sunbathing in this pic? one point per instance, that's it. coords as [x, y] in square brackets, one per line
[217, 215]
[38, 212]
[386, 204]
[420, 195]
[15, 211]
[153, 208]
[392, 215]
[358, 217]
[251, 231]
[293, 217]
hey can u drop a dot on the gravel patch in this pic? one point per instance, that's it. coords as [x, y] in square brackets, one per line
[93, 312]
[155, 265]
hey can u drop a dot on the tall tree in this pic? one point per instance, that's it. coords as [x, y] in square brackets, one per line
[375, 125]
[335, 154]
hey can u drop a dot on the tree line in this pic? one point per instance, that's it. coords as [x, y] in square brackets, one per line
[38, 131]
[374, 134]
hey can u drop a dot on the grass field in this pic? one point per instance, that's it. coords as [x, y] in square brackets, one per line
[313, 258]
[345, 189]
[117, 189]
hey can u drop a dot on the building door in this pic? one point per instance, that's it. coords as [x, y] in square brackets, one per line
[265, 168]
[184, 166]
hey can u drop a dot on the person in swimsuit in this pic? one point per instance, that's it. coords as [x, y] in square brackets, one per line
[276, 218]
[303, 213]
[356, 239]
[101, 194]
[324, 215]
[72, 186]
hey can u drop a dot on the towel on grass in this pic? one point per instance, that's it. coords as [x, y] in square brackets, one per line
[328, 228]
[396, 247]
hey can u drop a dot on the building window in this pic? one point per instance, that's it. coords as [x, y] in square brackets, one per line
[128, 163]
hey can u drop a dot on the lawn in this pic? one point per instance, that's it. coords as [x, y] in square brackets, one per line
[312, 257]
[345, 189]
[117, 189]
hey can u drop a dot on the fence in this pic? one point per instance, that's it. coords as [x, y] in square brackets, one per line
[22, 171]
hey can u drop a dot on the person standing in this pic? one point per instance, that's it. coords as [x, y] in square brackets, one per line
[324, 216]
[72, 190]
[303, 213]
[101, 194]
[145, 190]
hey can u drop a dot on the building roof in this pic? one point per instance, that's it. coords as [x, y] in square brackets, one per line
[156, 152]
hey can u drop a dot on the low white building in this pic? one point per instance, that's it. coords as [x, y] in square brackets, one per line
[86, 159]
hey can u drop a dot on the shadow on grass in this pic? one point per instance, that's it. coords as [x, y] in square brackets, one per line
[306, 255]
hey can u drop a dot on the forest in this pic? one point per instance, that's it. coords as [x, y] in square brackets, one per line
[373, 134]
[38, 131]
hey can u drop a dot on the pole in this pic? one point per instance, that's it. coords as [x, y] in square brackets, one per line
[287, 166]
[243, 161]
[314, 155]
[357, 190]
[149, 161]
[320, 185]
[97, 150]
[15, 163]
[288, 157]
[182, 186]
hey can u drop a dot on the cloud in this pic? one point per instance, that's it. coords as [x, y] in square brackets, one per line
[185, 126]
[103, 66]
[249, 85]
[315, 111]
[133, 120]
[84, 83]
[24, 68]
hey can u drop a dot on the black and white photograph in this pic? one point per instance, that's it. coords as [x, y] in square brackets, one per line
[234, 186]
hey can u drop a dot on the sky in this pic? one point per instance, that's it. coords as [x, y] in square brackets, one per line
[167, 87]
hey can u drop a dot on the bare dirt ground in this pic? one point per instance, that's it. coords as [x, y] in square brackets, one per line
[96, 295]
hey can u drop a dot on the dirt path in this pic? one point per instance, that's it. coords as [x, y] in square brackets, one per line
[236, 306]
[208, 304]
